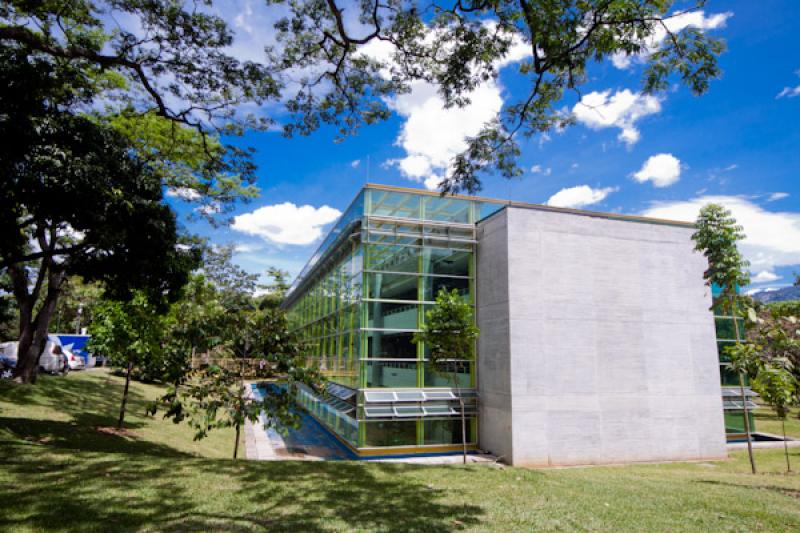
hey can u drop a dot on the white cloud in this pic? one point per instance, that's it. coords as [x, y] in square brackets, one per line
[355, 163]
[538, 169]
[662, 169]
[765, 276]
[676, 23]
[246, 248]
[432, 135]
[600, 110]
[773, 237]
[579, 196]
[789, 92]
[286, 223]
[777, 196]
[184, 193]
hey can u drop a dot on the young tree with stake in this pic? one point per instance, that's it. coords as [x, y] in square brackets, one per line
[716, 237]
[449, 333]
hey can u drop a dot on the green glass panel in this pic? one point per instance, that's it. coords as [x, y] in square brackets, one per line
[391, 315]
[432, 284]
[392, 286]
[726, 330]
[391, 345]
[447, 209]
[455, 374]
[446, 431]
[391, 373]
[394, 204]
[391, 433]
[734, 421]
[728, 377]
[445, 261]
[392, 258]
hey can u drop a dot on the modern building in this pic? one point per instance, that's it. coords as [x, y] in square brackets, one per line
[597, 341]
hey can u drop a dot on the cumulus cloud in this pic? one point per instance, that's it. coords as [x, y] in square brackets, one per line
[286, 223]
[623, 109]
[539, 169]
[676, 23]
[773, 237]
[432, 135]
[765, 276]
[579, 196]
[777, 196]
[662, 169]
[183, 193]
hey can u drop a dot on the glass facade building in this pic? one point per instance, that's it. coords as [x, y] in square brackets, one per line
[358, 303]
[363, 295]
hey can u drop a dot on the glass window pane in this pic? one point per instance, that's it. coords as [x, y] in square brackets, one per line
[391, 315]
[445, 261]
[391, 373]
[394, 204]
[392, 286]
[391, 433]
[448, 375]
[392, 258]
[432, 284]
[391, 345]
[446, 431]
[447, 209]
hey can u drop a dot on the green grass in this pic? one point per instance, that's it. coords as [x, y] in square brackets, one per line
[768, 422]
[57, 473]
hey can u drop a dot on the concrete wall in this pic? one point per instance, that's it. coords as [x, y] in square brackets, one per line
[596, 342]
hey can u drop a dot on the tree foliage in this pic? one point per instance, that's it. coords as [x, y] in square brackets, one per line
[716, 237]
[449, 331]
[352, 70]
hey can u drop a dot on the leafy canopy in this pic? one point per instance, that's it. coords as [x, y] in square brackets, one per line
[449, 331]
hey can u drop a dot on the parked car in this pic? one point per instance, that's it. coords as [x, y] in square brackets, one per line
[52, 360]
[74, 361]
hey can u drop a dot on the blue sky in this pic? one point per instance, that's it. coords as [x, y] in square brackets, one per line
[739, 144]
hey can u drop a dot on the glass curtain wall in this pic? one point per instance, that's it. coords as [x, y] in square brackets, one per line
[363, 296]
[726, 336]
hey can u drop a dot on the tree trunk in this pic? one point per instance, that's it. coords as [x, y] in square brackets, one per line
[745, 410]
[125, 395]
[786, 445]
[463, 430]
[33, 330]
[236, 445]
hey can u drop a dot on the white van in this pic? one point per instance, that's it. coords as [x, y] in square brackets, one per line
[53, 359]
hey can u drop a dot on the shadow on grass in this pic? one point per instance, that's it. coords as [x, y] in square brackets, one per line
[79, 435]
[91, 391]
[132, 492]
[792, 493]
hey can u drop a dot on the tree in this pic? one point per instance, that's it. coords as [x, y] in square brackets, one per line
[777, 387]
[216, 396]
[129, 334]
[164, 74]
[449, 333]
[76, 304]
[234, 285]
[77, 200]
[275, 291]
[351, 71]
[716, 236]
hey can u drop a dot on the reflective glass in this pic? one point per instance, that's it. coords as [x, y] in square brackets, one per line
[445, 261]
[447, 209]
[446, 431]
[391, 433]
[392, 258]
[448, 375]
[432, 284]
[386, 374]
[394, 204]
[391, 345]
[391, 315]
[392, 286]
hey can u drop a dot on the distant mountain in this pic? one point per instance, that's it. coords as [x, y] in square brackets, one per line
[782, 294]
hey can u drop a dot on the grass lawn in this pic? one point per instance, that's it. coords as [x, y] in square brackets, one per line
[768, 422]
[58, 473]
